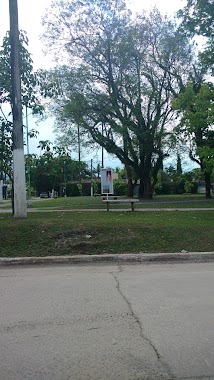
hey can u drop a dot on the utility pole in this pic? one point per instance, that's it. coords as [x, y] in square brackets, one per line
[20, 204]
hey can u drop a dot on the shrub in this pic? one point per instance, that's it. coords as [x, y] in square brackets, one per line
[178, 186]
[95, 186]
[72, 190]
[86, 188]
[120, 188]
[164, 188]
[191, 187]
[79, 186]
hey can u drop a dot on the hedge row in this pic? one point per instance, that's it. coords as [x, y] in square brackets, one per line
[179, 187]
[121, 188]
[84, 188]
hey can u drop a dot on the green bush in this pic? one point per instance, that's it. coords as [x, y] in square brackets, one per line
[120, 188]
[95, 186]
[191, 187]
[180, 186]
[86, 188]
[188, 187]
[72, 190]
[164, 188]
[83, 188]
[79, 186]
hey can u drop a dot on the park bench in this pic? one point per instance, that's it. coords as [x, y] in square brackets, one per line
[120, 201]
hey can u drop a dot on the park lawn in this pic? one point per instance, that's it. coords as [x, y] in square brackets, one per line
[71, 233]
[169, 201]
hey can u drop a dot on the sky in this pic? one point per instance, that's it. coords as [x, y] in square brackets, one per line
[31, 12]
[30, 15]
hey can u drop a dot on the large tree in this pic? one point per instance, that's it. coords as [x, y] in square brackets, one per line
[197, 19]
[196, 106]
[122, 68]
[195, 101]
[5, 148]
[51, 169]
[30, 98]
[29, 80]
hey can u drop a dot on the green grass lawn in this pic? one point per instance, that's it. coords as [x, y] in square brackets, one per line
[169, 201]
[70, 233]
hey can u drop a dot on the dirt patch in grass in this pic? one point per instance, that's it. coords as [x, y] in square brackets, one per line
[86, 241]
[80, 247]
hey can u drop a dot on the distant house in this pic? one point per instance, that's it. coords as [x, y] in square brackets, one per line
[202, 187]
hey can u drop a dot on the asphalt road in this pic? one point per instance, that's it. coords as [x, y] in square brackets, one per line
[134, 322]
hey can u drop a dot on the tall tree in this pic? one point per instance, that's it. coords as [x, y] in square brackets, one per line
[121, 95]
[30, 98]
[29, 81]
[5, 148]
[48, 171]
[70, 134]
[197, 19]
[198, 16]
[196, 106]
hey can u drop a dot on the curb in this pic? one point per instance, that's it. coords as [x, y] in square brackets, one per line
[139, 258]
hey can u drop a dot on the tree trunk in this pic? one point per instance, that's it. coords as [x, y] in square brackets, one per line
[129, 177]
[207, 178]
[145, 189]
[130, 188]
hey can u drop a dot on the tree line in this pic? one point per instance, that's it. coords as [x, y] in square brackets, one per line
[134, 84]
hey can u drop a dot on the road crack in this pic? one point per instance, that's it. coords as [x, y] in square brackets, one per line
[143, 336]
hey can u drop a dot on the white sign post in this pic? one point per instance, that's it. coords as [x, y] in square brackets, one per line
[107, 181]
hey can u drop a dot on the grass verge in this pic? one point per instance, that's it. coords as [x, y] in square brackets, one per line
[58, 233]
[169, 201]
[159, 201]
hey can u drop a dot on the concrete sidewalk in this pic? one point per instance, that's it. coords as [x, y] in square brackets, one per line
[31, 210]
[119, 259]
